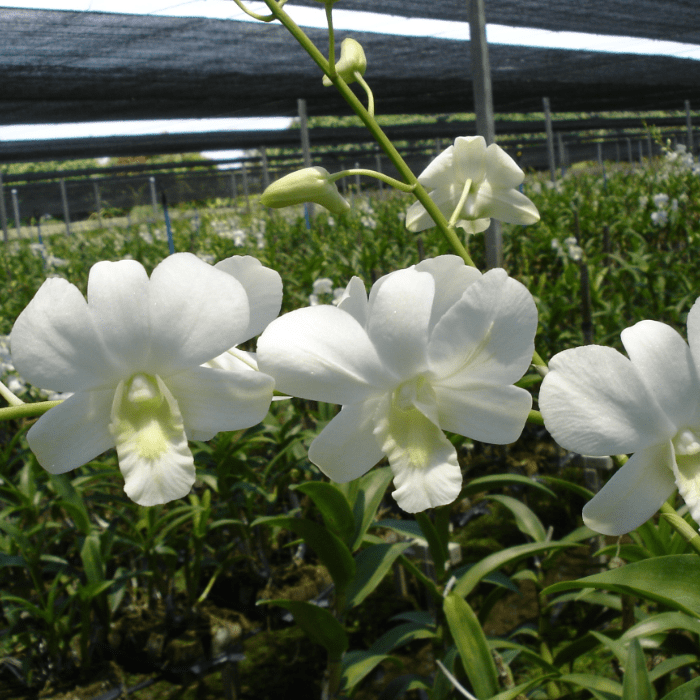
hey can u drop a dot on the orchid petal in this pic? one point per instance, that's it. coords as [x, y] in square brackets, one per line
[510, 206]
[438, 174]
[263, 287]
[423, 460]
[686, 469]
[493, 414]
[694, 333]
[452, 277]
[154, 457]
[354, 300]
[488, 335]
[189, 299]
[118, 299]
[594, 402]
[634, 493]
[55, 344]
[212, 400]
[321, 353]
[399, 311]
[73, 432]
[469, 159]
[346, 448]
[501, 169]
[665, 364]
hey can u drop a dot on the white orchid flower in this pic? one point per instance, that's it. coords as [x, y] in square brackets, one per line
[436, 347]
[596, 401]
[472, 184]
[132, 355]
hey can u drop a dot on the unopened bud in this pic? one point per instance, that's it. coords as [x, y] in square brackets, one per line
[306, 185]
[352, 60]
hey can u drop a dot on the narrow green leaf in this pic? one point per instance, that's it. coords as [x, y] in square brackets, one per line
[91, 557]
[469, 581]
[636, 684]
[320, 625]
[670, 580]
[595, 684]
[528, 523]
[331, 550]
[67, 492]
[398, 687]
[407, 528]
[520, 690]
[372, 487]
[400, 635]
[585, 493]
[687, 691]
[484, 483]
[672, 664]
[437, 548]
[334, 507]
[356, 665]
[661, 623]
[371, 565]
[472, 645]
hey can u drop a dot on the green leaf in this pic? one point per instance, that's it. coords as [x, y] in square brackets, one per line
[398, 687]
[466, 584]
[357, 664]
[585, 493]
[331, 550]
[600, 686]
[371, 565]
[371, 490]
[334, 507]
[91, 557]
[528, 523]
[437, 548]
[408, 528]
[636, 684]
[484, 483]
[687, 691]
[400, 635]
[523, 688]
[661, 623]
[320, 625]
[72, 501]
[472, 645]
[670, 580]
[672, 664]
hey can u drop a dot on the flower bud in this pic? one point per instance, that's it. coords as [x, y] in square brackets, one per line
[306, 185]
[352, 60]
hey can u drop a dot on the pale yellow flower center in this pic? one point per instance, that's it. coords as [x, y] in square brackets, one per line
[686, 442]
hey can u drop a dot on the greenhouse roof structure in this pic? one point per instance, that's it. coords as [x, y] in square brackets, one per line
[61, 66]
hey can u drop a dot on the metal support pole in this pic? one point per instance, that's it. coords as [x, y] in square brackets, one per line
[629, 149]
[305, 147]
[246, 189]
[3, 212]
[600, 153]
[550, 138]
[234, 186]
[98, 201]
[15, 207]
[64, 201]
[154, 196]
[562, 151]
[265, 167]
[689, 126]
[483, 108]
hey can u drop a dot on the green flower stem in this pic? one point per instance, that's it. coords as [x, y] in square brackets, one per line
[539, 365]
[9, 396]
[535, 417]
[255, 15]
[331, 39]
[368, 90]
[461, 203]
[382, 139]
[27, 410]
[373, 173]
[687, 532]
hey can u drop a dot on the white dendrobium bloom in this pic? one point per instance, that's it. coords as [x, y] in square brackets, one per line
[436, 347]
[596, 401]
[480, 181]
[133, 354]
